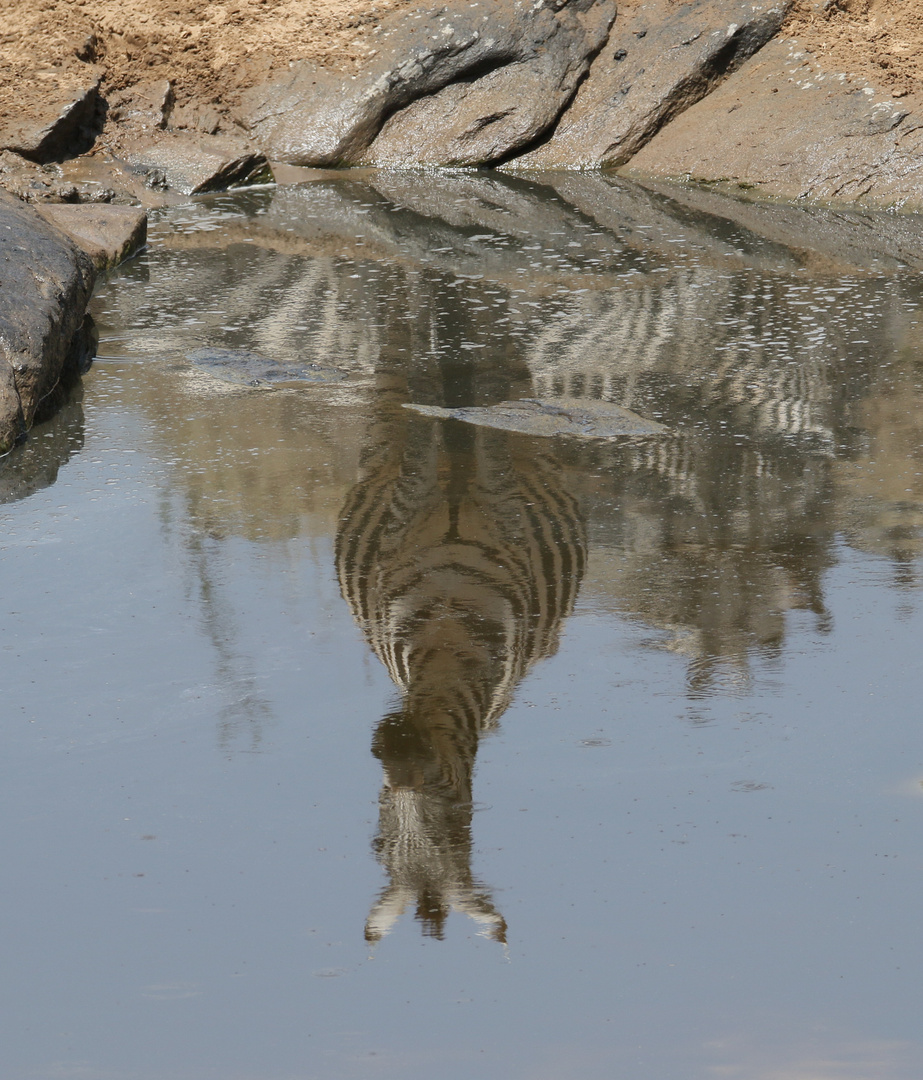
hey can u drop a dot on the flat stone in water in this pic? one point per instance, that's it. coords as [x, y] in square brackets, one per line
[245, 368]
[565, 416]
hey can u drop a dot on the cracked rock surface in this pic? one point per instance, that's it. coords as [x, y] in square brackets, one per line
[660, 59]
[479, 121]
[320, 117]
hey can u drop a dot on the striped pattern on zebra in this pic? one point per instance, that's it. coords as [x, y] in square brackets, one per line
[460, 554]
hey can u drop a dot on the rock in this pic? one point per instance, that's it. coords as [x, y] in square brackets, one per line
[785, 127]
[481, 121]
[52, 183]
[193, 164]
[115, 181]
[64, 117]
[148, 105]
[202, 118]
[585, 418]
[660, 59]
[46, 338]
[243, 368]
[33, 183]
[320, 117]
[12, 425]
[108, 234]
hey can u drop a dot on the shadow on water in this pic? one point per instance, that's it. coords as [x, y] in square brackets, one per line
[34, 465]
[757, 339]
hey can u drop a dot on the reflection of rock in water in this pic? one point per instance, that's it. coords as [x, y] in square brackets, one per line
[601, 292]
[460, 554]
[34, 465]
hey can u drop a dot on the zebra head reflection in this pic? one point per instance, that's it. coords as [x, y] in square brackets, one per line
[460, 554]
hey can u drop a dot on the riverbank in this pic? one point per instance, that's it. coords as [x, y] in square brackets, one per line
[143, 99]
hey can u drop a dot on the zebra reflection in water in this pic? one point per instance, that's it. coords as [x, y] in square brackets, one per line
[460, 554]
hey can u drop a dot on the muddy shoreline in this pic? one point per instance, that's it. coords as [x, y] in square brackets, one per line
[101, 118]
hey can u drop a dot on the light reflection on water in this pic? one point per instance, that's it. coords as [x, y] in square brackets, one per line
[696, 851]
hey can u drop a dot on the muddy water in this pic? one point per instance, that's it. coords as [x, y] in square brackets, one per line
[342, 741]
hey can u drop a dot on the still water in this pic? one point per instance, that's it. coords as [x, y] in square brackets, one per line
[345, 742]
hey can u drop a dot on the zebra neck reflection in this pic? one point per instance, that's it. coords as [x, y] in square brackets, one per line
[460, 554]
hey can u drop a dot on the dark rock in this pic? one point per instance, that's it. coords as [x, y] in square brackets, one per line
[193, 164]
[784, 127]
[46, 338]
[64, 122]
[488, 118]
[660, 59]
[319, 117]
[108, 234]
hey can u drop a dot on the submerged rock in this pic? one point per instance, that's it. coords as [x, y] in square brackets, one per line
[492, 53]
[660, 59]
[564, 416]
[243, 368]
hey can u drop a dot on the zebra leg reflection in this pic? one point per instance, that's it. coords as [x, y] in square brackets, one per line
[460, 554]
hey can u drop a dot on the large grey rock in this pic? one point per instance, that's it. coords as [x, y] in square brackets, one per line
[660, 59]
[108, 234]
[46, 337]
[316, 116]
[786, 127]
[64, 117]
[480, 121]
[194, 164]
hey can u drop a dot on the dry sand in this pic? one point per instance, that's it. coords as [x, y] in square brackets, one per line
[208, 50]
[879, 41]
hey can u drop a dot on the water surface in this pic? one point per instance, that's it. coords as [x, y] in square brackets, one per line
[344, 741]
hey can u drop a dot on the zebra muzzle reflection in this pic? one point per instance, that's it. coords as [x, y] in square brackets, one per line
[460, 554]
